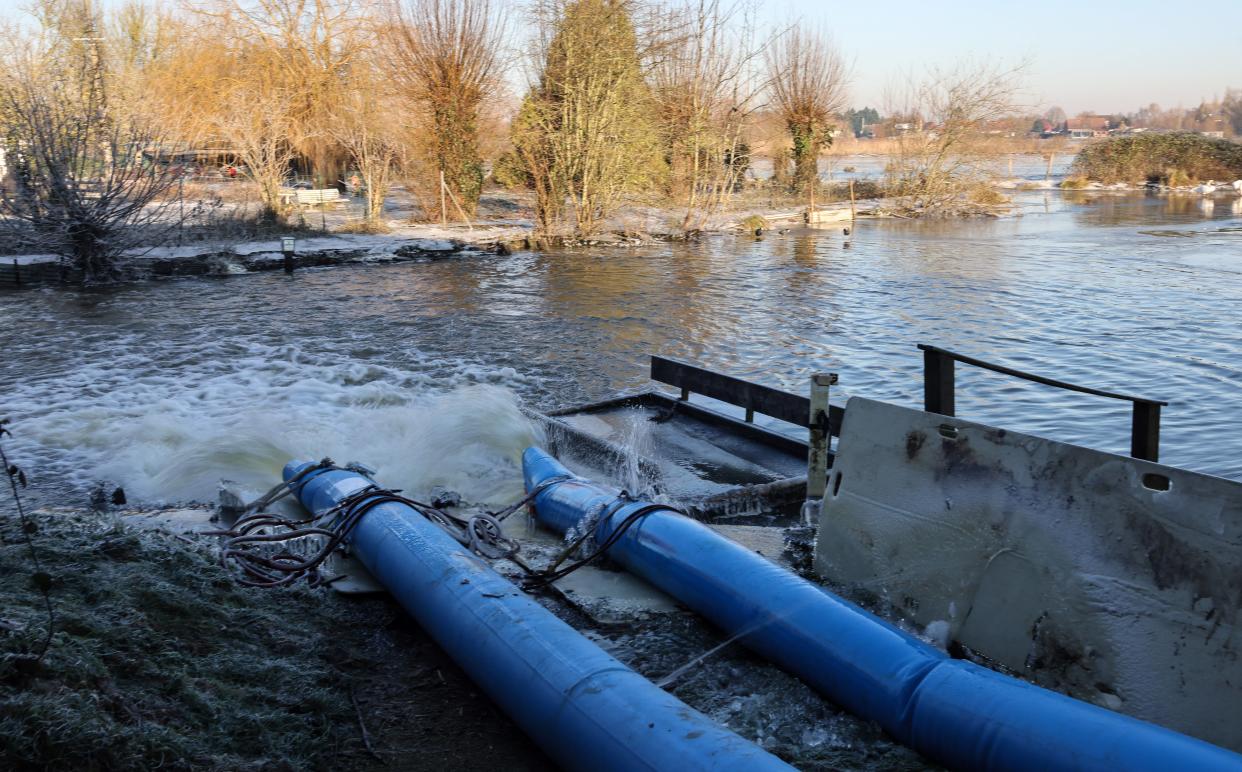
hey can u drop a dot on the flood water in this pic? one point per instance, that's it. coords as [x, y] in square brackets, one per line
[418, 369]
[165, 387]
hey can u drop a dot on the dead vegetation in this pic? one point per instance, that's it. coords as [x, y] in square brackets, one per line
[80, 181]
[946, 165]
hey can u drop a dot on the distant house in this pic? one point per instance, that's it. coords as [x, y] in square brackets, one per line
[1087, 126]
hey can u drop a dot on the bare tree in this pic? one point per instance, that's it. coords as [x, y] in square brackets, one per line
[808, 78]
[944, 164]
[705, 89]
[256, 118]
[305, 48]
[83, 176]
[1232, 106]
[367, 125]
[446, 55]
[266, 91]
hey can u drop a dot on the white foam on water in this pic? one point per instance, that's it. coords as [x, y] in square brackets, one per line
[171, 431]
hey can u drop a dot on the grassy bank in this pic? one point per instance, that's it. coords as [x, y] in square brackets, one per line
[159, 659]
[1169, 159]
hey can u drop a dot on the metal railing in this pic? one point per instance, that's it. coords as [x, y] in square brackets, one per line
[938, 396]
[821, 419]
[753, 397]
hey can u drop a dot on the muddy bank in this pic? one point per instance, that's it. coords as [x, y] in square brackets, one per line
[242, 259]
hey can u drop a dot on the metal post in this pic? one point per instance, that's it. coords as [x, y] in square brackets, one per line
[286, 247]
[1145, 431]
[938, 382]
[817, 457]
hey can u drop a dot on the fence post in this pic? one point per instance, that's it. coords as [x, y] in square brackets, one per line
[443, 203]
[817, 456]
[938, 385]
[1145, 431]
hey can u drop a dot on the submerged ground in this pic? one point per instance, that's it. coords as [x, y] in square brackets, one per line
[417, 369]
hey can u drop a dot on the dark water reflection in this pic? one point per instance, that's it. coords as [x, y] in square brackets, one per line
[1073, 289]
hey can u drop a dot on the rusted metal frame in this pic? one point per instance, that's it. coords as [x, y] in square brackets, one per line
[938, 396]
[658, 400]
[1145, 431]
[938, 386]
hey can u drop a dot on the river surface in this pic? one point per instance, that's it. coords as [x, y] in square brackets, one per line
[166, 387]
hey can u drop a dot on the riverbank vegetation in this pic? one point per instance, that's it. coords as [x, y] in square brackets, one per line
[624, 103]
[951, 170]
[1175, 159]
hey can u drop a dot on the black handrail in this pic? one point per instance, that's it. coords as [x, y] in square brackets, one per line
[938, 396]
[754, 397]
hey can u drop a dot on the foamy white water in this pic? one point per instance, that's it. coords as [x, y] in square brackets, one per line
[172, 434]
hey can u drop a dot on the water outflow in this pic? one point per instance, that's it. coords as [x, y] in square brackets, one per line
[170, 432]
[954, 711]
[582, 706]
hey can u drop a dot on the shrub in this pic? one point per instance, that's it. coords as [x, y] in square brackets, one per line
[509, 172]
[1175, 177]
[1174, 159]
[986, 195]
[754, 224]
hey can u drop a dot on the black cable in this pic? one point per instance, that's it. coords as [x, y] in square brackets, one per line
[550, 575]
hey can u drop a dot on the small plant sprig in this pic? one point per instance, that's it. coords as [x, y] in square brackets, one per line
[40, 578]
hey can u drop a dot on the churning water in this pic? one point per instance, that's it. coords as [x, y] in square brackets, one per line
[418, 369]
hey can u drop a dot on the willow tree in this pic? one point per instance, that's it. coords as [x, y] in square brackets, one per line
[808, 77]
[305, 47]
[586, 128]
[446, 58]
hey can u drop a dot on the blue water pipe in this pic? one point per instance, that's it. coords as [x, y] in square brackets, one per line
[958, 713]
[585, 708]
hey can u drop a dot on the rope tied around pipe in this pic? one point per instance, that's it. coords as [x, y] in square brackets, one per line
[249, 542]
[552, 573]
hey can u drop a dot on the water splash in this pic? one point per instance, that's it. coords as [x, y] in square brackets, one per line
[172, 433]
[637, 441]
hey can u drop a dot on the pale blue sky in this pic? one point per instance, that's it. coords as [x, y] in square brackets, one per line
[1101, 55]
